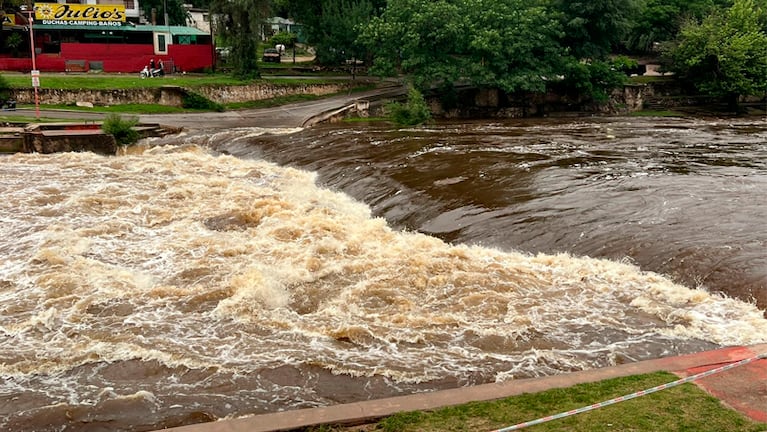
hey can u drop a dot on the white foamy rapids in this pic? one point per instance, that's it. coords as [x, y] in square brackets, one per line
[205, 261]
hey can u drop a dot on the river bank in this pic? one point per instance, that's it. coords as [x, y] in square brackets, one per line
[440, 411]
[250, 270]
[657, 94]
[172, 95]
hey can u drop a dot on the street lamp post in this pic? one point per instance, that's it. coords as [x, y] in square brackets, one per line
[35, 73]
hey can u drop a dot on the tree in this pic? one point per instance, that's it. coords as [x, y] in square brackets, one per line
[177, 14]
[340, 20]
[332, 26]
[593, 27]
[511, 45]
[590, 80]
[14, 42]
[725, 54]
[238, 24]
[9, 7]
[423, 38]
[660, 20]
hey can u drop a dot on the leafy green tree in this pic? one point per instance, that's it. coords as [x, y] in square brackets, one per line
[425, 39]
[8, 7]
[725, 54]
[592, 80]
[332, 26]
[14, 42]
[660, 20]
[511, 45]
[593, 27]
[204, 4]
[177, 14]
[338, 31]
[238, 25]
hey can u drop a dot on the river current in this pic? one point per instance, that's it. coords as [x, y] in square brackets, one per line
[212, 275]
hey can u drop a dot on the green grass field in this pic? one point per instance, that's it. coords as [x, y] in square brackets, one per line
[130, 81]
[116, 81]
[190, 81]
[682, 408]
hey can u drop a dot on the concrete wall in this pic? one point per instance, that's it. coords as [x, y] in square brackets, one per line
[53, 142]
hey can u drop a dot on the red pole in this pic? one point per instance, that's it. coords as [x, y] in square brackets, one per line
[34, 64]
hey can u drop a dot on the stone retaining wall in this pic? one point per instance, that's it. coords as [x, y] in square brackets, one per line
[493, 103]
[173, 95]
[233, 94]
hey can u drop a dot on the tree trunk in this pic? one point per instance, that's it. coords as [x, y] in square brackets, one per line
[733, 102]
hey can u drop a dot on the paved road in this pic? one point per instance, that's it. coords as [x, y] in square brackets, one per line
[292, 115]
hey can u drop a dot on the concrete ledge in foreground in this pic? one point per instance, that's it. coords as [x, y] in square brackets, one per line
[736, 387]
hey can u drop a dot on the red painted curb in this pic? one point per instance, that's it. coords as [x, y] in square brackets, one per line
[743, 389]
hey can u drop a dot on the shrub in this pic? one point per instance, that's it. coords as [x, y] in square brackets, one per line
[192, 100]
[414, 112]
[284, 38]
[121, 129]
[623, 63]
[5, 89]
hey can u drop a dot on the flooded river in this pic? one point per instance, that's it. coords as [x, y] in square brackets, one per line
[249, 271]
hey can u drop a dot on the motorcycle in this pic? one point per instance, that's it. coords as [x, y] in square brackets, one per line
[150, 73]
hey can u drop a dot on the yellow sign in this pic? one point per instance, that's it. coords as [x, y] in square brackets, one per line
[80, 14]
[9, 20]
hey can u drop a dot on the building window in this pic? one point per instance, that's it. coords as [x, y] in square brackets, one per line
[130, 4]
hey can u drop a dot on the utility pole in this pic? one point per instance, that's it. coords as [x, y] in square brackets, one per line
[35, 73]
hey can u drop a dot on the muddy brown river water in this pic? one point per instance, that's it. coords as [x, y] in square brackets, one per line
[249, 271]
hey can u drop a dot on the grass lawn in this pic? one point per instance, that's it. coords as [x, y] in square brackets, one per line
[116, 81]
[129, 81]
[681, 408]
[122, 109]
[22, 121]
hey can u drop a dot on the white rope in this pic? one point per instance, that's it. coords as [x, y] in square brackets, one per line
[632, 395]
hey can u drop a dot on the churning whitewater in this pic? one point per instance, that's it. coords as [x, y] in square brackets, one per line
[178, 285]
